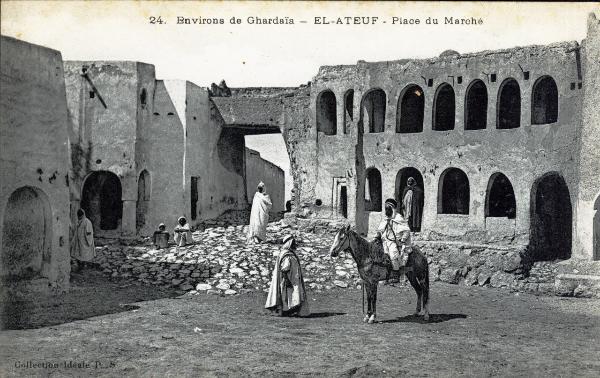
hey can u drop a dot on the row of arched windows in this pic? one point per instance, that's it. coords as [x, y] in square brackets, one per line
[411, 107]
[453, 192]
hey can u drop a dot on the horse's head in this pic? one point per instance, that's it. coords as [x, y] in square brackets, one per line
[341, 241]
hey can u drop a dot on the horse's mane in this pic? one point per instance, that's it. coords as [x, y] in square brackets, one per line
[374, 248]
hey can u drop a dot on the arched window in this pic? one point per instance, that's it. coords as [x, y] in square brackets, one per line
[373, 110]
[326, 113]
[453, 192]
[348, 109]
[410, 110]
[372, 190]
[444, 108]
[544, 101]
[143, 98]
[509, 105]
[476, 102]
[500, 197]
[551, 218]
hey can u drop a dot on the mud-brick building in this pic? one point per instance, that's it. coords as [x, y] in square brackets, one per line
[503, 143]
[34, 165]
[147, 151]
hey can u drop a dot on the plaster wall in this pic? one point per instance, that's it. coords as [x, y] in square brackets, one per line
[257, 170]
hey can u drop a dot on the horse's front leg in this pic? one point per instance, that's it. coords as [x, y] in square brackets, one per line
[374, 303]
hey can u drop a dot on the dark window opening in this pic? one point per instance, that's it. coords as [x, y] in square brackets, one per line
[92, 94]
[194, 197]
[453, 193]
[348, 109]
[493, 77]
[444, 108]
[476, 103]
[170, 113]
[551, 219]
[572, 86]
[143, 98]
[101, 200]
[373, 111]
[373, 190]
[544, 101]
[526, 75]
[459, 79]
[343, 202]
[509, 105]
[410, 110]
[326, 113]
[430, 82]
[500, 196]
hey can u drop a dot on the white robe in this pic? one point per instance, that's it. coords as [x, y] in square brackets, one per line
[82, 244]
[282, 296]
[393, 232]
[259, 216]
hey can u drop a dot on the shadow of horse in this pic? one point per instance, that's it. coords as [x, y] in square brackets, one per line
[433, 318]
[324, 314]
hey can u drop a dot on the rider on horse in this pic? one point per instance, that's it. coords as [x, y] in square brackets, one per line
[395, 236]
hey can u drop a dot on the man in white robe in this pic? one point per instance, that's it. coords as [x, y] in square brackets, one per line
[287, 295]
[83, 249]
[182, 233]
[395, 235]
[259, 215]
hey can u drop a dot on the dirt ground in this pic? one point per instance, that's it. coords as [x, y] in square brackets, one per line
[107, 328]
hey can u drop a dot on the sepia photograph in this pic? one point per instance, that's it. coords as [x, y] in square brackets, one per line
[299, 189]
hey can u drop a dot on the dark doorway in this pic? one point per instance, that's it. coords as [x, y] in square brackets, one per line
[509, 105]
[410, 110]
[348, 109]
[373, 190]
[500, 197]
[444, 108]
[101, 200]
[194, 197]
[544, 101]
[551, 218]
[476, 103]
[453, 192]
[143, 199]
[344, 201]
[26, 234]
[326, 113]
[417, 197]
[373, 110]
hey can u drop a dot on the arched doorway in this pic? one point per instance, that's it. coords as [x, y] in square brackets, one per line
[143, 199]
[551, 218]
[26, 234]
[101, 200]
[500, 197]
[453, 192]
[417, 197]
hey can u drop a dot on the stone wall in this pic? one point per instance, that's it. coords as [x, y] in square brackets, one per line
[257, 170]
[534, 149]
[34, 164]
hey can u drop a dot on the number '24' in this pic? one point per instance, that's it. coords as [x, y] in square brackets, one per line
[156, 20]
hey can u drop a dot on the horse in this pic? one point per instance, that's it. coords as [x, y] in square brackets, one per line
[374, 266]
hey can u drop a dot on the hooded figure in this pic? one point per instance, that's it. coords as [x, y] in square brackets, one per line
[259, 215]
[395, 235]
[182, 235]
[82, 243]
[287, 293]
[412, 204]
[160, 238]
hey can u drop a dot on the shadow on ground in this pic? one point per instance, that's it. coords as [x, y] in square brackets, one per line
[91, 294]
[433, 318]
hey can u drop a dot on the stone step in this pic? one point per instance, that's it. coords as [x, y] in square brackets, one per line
[579, 266]
[577, 285]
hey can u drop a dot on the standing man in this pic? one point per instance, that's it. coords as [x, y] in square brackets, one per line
[412, 204]
[287, 295]
[259, 215]
[83, 249]
[395, 236]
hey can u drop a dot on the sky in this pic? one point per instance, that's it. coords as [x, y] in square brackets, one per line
[245, 54]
